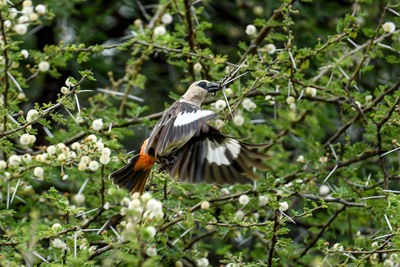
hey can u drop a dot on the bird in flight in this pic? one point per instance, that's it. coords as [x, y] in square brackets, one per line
[190, 149]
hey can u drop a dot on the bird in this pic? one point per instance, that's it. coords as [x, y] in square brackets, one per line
[190, 149]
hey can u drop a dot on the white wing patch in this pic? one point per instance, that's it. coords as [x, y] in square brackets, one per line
[216, 151]
[189, 117]
[233, 146]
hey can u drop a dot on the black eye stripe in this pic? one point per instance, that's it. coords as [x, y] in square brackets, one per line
[203, 85]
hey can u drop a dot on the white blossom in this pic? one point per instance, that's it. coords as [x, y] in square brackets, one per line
[106, 151]
[41, 9]
[238, 120]
[51, 150]
[99, 145]
[38, 172]
[23, 19]
[244, 199]
[104, 159]
[151, 251]
[82, 166]
[8, 24]
[220, 104]
[219, 123]
[93, 165]
[3, 164]
[290, 100]
[323, 160]
[44, 66]
[27, 10]
[283, 206]
[92, 138]
[166, 18]
[228, 92]
[197, 67]
[69, 83]
[27, 139]
[71, 155]
[79, 198]
[85, 159]
[311, 91]
[239, 214]
[337, 247]
[270, 48]
[203, 262]
[64, 90]
[21, 96]
[389, 27]
[60, 146]
[134, 204]
[251, 29]
[26, 157]
[62, 157]
[154, 207]
[27, 3]
[205, 205]
[151, 230]
[300, 159]
[145, 197]
[368, 98]
[14, 160]
[263, 200]
[106, 205]
[75, 146]
[33, 16]
[159, 30]
[388, 263]
[97, 124]
[324, 190]
[58, 243]
[248, 104]
[292, 106]
[31, 115]
[56, 227]
[225, 190]
[24, 53]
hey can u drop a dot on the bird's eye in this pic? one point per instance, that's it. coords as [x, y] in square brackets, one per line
[202, 85]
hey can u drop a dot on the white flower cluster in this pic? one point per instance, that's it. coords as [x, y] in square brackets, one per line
[28, 15]
[248, 104]
[58, 243]
[143, 206]
[86, 155]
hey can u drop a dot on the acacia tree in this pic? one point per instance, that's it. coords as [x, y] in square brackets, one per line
[82, 84]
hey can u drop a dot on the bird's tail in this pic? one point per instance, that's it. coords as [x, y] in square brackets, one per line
[133, 176]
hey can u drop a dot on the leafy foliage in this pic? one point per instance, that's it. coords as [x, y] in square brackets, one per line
[83, 83]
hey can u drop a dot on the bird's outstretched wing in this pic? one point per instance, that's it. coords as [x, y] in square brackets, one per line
[178, 125]
[212, 157]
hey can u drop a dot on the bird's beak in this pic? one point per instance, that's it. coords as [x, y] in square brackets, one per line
[213, 87]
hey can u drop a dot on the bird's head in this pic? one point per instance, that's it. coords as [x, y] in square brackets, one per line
[205, 85]
[198, 91]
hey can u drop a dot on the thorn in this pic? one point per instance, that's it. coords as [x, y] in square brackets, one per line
[72, 116]
[15, 82]
[227, 102]
[83, 186]
[15, 191]
[388, 222]
[120, 94]
[329, 175]
[77, 104]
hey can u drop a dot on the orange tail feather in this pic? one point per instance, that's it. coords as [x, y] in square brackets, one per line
[133, 176]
